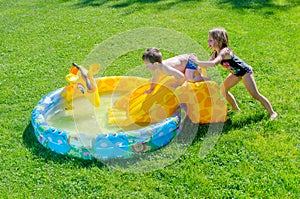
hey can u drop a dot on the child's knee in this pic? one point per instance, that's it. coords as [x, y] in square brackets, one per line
[256, 96]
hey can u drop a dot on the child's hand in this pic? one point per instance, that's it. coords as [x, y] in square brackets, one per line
[193, 57]
[148, 91]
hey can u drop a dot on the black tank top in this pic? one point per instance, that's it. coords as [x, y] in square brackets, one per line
[236, 66]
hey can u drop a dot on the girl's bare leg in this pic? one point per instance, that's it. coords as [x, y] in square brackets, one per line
[229, 82]
[250, 84]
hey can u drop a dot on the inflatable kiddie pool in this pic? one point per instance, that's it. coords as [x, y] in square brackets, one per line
[112, 117]
[81, 119]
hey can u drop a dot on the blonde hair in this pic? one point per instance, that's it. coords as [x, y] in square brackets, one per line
[220, 35]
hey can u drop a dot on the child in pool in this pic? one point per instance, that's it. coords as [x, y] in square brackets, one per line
[179, 66]
[239, 70]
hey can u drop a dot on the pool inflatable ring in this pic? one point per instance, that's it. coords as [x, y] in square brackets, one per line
[105, 145]
[157, 117]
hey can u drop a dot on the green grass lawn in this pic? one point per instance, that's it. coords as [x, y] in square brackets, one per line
[251, 157]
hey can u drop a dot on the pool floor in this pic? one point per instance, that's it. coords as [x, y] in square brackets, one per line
[84, 118]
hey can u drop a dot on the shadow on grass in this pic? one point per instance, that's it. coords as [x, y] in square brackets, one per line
[143, 162]
[228, 125]
[126, 3]
[190, 133]
[31, 142]
[237, 4]
[258, 4]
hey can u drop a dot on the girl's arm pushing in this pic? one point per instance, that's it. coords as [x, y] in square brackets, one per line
[212, 62]
[207, 64]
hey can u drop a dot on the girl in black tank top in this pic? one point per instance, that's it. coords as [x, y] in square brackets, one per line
[239, 70]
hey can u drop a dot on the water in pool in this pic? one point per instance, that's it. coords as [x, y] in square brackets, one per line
[85, 118]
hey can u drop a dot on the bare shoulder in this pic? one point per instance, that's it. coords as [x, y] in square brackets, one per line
[226, 53]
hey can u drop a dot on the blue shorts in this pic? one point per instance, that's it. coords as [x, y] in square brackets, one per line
[191, 65]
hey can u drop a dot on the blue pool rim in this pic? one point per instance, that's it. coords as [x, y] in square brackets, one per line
[104, 146]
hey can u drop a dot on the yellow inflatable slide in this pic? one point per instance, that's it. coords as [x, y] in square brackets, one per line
[202, 99]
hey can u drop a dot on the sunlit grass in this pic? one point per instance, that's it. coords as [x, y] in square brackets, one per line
[252, 158]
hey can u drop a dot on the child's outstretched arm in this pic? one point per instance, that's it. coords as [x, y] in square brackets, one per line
[206, 64]
[153, 83]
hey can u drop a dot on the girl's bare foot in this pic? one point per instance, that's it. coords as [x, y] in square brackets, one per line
[274, 116]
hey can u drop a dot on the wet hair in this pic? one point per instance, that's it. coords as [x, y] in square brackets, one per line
[220, 35]
[153, 55]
